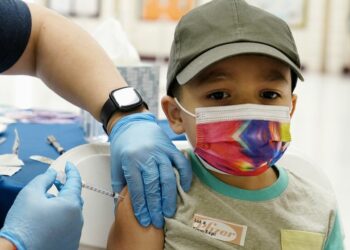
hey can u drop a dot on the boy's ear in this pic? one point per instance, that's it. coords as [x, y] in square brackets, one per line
[294, 104]
[172, 112]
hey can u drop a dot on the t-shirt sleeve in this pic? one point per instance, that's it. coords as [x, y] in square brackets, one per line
[335, 239]
[15, 29]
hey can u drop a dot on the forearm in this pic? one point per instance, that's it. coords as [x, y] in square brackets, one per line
[6, 245]
[68, 60]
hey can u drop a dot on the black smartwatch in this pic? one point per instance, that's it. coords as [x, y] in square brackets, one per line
[120, 100]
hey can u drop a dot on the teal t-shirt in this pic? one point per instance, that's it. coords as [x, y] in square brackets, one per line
[293, 213]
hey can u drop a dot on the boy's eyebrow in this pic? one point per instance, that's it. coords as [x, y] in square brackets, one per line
[275, 75]
[208, 74]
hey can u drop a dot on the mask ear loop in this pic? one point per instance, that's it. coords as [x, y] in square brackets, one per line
[189, 113]
[183, 109]
[291, 110]
[205, 164]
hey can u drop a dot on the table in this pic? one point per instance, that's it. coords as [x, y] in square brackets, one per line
[33, 139]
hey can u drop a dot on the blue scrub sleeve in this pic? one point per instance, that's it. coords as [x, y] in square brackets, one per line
[15, 29]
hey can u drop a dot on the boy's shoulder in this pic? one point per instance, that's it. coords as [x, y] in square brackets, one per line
[299, 200]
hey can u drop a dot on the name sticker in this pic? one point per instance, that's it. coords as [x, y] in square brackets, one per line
[220, 229]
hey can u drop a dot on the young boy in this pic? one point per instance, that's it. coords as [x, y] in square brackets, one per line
[231, 76]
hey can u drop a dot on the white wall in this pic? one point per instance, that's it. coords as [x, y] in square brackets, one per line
[339, 38]
[154, 38]
[309, 38]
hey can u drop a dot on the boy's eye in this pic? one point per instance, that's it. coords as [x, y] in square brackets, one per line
[218, 95]
[269, 94]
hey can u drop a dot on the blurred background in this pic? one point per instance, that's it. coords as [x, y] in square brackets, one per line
[322, 32]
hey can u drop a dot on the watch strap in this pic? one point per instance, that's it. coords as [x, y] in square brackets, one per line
[109, 108]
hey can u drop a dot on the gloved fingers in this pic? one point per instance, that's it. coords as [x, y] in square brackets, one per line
[137, 196]
[44, 181]
[48, 195]
[58, 185]
[184, 168]
[168, 187]
[71, 190]
[117, 174]
[151, 182]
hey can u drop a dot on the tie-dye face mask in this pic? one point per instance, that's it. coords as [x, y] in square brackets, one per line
[242, 140]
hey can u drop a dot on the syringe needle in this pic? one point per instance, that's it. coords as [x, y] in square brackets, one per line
[61, 177]
[102, 191]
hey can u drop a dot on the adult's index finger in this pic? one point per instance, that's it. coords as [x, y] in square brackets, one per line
[73, 185]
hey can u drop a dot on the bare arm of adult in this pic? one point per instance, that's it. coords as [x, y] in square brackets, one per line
[57, 53]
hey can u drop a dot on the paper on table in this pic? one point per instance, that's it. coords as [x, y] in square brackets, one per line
[9, 170]
[38, 116]
[3, 128]
[6, 120]
[16, 143]
[2, 140]
[10, 160]
[10, 163]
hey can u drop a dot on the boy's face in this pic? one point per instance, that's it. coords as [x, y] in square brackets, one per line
[242, 79]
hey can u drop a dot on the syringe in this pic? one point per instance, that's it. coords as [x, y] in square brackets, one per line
[102, 191]
[61, 177]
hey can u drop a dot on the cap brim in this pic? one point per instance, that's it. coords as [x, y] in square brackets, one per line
[232, 49]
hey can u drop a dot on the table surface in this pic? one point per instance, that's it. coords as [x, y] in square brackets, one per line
[33, 141]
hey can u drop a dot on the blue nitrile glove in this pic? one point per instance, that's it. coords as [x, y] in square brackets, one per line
[143, 156]
[40, 221]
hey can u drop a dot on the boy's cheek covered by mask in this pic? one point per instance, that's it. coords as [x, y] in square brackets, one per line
[242, 147]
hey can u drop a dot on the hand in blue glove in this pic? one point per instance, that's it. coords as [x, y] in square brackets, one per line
[40, 221]
[143, 156]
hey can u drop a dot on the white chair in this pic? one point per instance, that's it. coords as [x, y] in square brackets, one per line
[297, 161]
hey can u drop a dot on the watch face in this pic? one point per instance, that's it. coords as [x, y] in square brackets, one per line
[126, 97]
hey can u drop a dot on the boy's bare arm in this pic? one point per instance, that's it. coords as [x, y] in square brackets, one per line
[126, 232]
[6, 245]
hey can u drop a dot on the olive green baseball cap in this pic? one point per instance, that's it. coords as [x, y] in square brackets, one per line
[225, 28]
